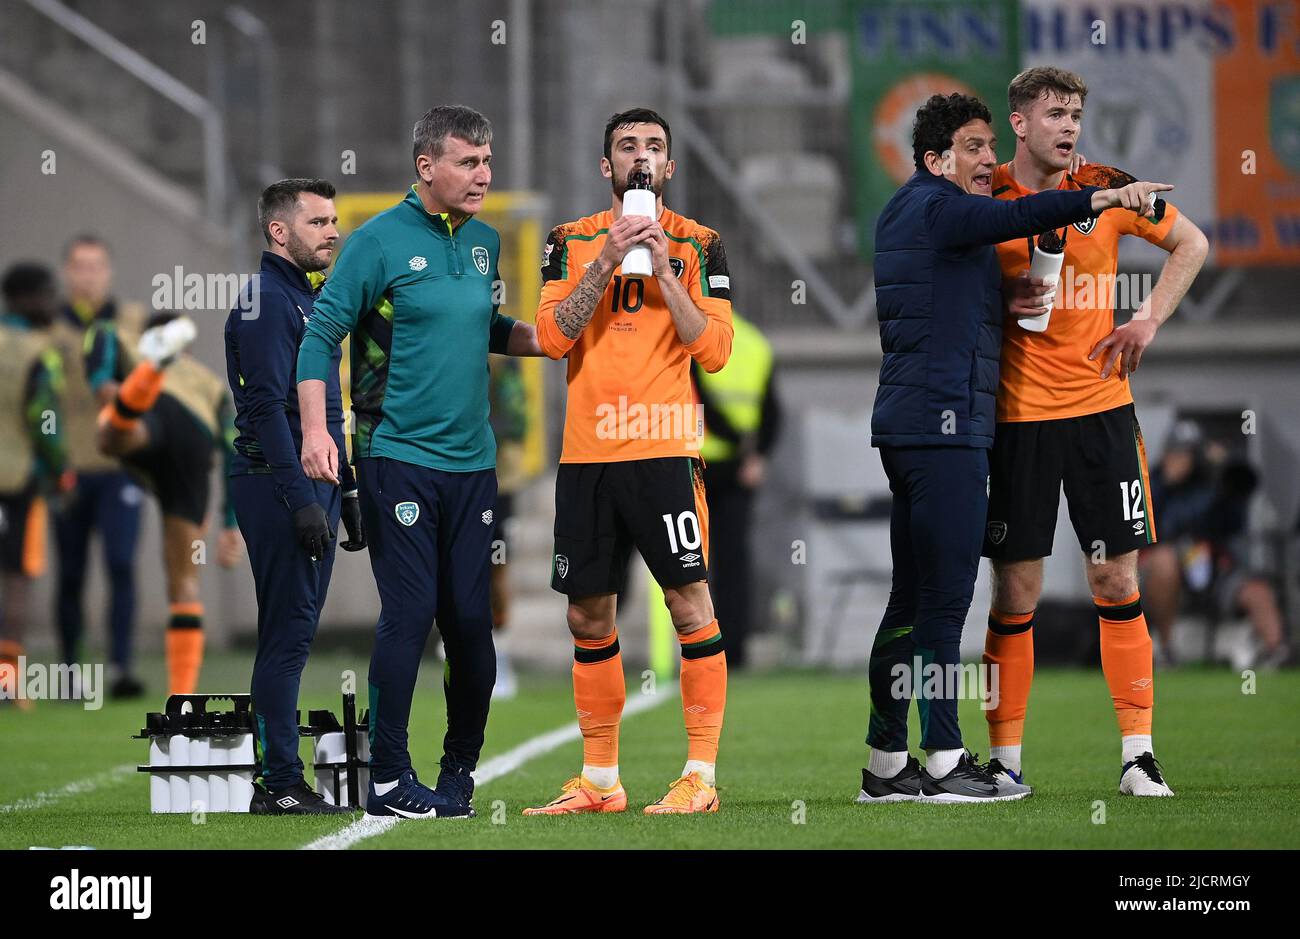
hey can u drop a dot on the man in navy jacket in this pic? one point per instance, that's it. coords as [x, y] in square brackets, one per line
[288, 520]
[939, 302]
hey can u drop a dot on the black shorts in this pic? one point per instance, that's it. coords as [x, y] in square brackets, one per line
[177, 464]
[16, 531]
[1100, 461]
[604, 510]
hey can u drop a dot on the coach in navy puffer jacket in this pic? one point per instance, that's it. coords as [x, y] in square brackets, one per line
[938, 295]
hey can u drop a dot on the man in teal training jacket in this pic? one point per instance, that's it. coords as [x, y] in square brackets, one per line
[414, 286]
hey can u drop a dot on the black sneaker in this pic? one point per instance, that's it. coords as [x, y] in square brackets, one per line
[126, 688]
[970, 782]
[905, 787]
[456, 785]
[298, 799]
[1001, 772]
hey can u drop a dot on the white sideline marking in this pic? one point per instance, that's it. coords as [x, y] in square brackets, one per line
[495, 768]
[78, 788]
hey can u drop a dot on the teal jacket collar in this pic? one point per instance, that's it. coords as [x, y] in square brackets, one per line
[438, 221]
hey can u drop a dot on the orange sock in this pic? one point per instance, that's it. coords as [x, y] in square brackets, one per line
[1126, 661]
[137, 394]
[599, 693]
[1009, 645]
[184, 647]
[704, 691]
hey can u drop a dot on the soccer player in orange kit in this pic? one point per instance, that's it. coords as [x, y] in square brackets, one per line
[630, 474]
[1066, 419]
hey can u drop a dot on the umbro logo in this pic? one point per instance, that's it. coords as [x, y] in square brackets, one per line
[418, 263]
[696, 709]
[689, 558]
[1139, 527]
[487, 517]
[287, 802]
[1141, 684]
[583, 714]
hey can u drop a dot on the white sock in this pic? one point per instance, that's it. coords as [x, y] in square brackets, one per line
[1007, 756]
[886, 763]
[706, 771]
[602, 777]
[1134, 746]
[940, 763]
[382, 789]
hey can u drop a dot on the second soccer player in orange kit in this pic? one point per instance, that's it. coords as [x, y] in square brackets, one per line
[1066, 421]
[630, 474]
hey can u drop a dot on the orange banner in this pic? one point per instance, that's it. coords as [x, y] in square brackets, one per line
[1257, 135]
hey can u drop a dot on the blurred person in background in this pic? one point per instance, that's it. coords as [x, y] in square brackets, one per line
[508, 414]
[1205, 545]
[105, 499]
[168, 418]
[32, 460]
[742, 418]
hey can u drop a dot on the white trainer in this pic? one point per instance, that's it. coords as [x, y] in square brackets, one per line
[1142, 777]
[162, 344]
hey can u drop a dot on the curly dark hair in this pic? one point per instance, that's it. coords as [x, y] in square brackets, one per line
[938, 119]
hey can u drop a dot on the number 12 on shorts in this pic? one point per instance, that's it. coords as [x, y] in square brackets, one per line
[1131, 498]
[690, 538]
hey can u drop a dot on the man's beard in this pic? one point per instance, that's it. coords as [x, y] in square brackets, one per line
[304, 256]
[656, 185]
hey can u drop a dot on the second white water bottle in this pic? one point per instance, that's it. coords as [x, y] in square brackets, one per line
[1049, 255]
[639, 199]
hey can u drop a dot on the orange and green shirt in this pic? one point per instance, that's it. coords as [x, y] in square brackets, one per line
[630, 392]
[1047, 375]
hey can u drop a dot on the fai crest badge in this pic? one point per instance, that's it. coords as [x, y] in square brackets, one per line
[561, 565]
[997, 532]
[1086, 226]
[678, 266]
[407, 512]
[480, 256]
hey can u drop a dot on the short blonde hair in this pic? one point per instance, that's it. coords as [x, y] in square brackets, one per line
[1029, 86]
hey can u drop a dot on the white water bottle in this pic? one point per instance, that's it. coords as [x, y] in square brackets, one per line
[1049, 255]
[638, 199]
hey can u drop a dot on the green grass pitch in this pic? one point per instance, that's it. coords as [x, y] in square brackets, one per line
[788, 773]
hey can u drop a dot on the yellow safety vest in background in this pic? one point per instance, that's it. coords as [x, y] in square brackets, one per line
[80, 408]
[19, 351]
[737, 390]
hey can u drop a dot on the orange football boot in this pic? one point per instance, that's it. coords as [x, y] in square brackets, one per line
[686, 795]
[579, 795]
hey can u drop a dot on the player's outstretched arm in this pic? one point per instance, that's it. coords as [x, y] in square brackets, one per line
[1122, 350]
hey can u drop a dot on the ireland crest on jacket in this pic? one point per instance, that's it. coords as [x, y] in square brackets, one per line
[480, 256]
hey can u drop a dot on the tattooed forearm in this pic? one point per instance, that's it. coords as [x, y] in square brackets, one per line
[574, 312]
